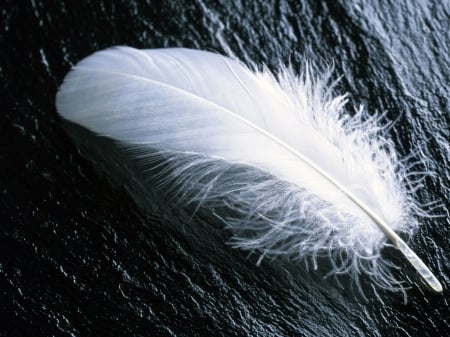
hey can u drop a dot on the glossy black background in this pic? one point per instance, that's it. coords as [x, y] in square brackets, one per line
[78, 257]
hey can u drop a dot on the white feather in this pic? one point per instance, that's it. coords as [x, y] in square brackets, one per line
[302, 178]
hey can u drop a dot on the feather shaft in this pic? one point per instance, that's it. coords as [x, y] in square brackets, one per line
[331, 188]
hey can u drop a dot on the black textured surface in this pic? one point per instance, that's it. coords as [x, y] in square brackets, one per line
[78, 257]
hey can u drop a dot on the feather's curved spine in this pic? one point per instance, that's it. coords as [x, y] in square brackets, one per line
[113, 81]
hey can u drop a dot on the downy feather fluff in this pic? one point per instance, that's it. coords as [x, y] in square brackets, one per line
[277, 151]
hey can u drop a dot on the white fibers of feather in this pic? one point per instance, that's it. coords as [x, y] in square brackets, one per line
[273, 217]
[278, 218]
[229, 140]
